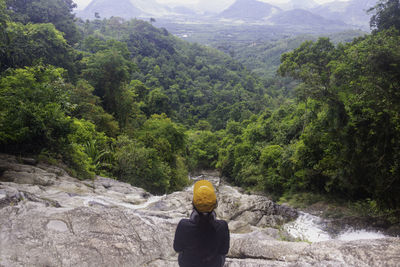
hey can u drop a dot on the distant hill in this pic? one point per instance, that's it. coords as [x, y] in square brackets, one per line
[152, 8]
[249, 10]
[263, 58]
[352, 12]
[109, 8]
[124, 8]
[253, 10]
[295, 13]
[301, 17]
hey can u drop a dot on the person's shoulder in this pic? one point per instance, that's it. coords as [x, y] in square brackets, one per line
[222, 227]
[184, 222]
[221, 223]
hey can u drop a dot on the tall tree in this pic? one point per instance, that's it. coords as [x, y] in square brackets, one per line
[387, 14]
[3, 25]
[350, 145]
[28, 44]
[58, 12]
[109, 73]
[3, 15]
[310, 64]
[33, 103]
[88, 107]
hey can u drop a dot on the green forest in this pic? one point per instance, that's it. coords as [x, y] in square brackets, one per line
[128, 100]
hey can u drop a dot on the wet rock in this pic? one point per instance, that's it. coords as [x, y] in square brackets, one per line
[11, 171]
[379, 252]
[240, 227]
[354, 222]
[57, 225]
[21, 177]
[252, 209]
[259, 245]
[29, 161]
[394, 230]
[97, 238]
[9, 197]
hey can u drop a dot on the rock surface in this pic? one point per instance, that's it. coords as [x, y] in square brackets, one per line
[48, 218]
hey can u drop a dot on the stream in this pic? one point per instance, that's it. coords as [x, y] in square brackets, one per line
[315, 229]
[309, 227]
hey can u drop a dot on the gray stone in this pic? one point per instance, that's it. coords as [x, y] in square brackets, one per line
[33, 176]
[29, 161]
[61, 221]
[57, 225]
[394, 230]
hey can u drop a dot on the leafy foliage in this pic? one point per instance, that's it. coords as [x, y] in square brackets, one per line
[33, 104]
[262, 57]
[88, 106]
[3, 20]
[57, 12]
[386, 15]
[155, 160]
[28, 45]
[203, 149]
[342, 136]
[188, 82]
[107, 71]
[34, 107]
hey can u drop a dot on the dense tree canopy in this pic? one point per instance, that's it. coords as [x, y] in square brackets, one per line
[57, 12]
[27, 45]
[189, 82]
[33, 107]
[342, 137]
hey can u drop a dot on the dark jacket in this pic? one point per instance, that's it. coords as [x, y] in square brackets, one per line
[202, 241]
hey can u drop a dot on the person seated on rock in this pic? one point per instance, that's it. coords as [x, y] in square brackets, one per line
[202, 240]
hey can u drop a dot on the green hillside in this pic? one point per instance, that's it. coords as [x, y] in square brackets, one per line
[193, 82]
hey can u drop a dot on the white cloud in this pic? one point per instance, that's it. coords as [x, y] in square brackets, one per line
[82, 3]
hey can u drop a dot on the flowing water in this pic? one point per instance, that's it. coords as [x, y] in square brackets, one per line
[314, 229]
[107, 201]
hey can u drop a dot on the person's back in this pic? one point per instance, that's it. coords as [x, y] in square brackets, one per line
[202, 241]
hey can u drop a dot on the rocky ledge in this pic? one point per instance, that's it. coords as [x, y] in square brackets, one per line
[48, 218]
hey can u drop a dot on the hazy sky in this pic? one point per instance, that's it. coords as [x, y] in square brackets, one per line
[218, 3]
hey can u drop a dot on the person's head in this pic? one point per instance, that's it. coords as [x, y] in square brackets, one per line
[204, 198]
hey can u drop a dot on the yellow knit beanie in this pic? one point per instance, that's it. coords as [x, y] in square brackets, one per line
[204, 198]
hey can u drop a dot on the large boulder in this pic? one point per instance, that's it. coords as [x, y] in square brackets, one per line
[254, 210]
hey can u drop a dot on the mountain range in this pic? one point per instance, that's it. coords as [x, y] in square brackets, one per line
[295, 12]
[127, 9]
[249, 10]
[107, 8]
[353, 12]
[303, 17]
